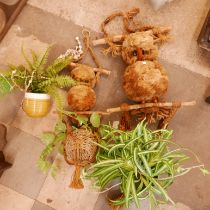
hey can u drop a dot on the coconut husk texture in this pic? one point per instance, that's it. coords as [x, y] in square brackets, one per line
[79, 150]
[139, 41]
[84, 73]
[81, 98]
[145, 81]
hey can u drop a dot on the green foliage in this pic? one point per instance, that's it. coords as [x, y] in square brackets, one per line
[57, 66]
[143, 162]
[83, 120]
[52, 141]
[37, 77]
[48, 138]
[95, 120]
[60, 128]
[5, 86]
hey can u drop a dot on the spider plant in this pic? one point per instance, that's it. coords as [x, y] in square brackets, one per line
[143, 162]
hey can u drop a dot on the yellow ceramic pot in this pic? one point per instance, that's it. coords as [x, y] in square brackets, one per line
[36, 104]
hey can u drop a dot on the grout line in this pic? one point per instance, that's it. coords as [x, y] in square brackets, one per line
[16, 191]
[35, 200]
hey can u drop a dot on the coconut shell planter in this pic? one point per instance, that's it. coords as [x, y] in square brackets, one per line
[145, 81]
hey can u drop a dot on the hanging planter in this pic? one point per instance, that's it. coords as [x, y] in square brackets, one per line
[39, 82]
[36, 104]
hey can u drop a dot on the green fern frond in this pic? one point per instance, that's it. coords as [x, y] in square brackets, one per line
[57, 96]
[61, 81]
[43, 162]
[64, 81]
[5, 86]
[40, 63]
[58, 65]
[27, 59]
[34, 55]
[18, 68]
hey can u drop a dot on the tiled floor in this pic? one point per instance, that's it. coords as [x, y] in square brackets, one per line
[24, 187]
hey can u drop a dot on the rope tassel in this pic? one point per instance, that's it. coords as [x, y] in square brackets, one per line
[76, 180]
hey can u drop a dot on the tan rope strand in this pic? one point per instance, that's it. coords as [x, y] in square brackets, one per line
[87, 42]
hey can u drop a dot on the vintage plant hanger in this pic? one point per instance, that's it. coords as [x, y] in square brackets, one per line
[145, 80]
[81, 124]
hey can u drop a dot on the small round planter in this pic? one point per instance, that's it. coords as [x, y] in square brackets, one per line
[36, 104]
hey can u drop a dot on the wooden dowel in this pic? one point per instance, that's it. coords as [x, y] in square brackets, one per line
[147, 105]
[115, 38]
[120, 37]
[91, 112]
[102, 71]
[85, 112]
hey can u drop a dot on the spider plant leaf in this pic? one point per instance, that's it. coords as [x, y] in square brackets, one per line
[146, 165]
[100, 145]
[150, 201]
[130, 142]
[164, 193]
[147, 152]
[108, 178]
[133, 189]
[108, 169]
[128, 188]
[156, 191]
[145, 133]
[140, 186]
[115, 148]
[105, 162]
[135, 158]
[160, 170]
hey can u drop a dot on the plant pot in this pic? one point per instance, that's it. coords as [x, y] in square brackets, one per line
[36, 104]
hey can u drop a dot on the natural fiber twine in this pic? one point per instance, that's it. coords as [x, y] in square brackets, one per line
[79, 150]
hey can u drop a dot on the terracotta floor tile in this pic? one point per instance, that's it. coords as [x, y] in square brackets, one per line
[57, 194]
[182, 50]
[23, 151]
[11, 200]
[40, 206]
[9, 106]
[35, 126]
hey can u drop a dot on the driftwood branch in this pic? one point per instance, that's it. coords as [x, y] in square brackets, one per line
[119, 38]
[91, 112]
[116, 38]
[102, 71]
[86, 112]
[126, 107]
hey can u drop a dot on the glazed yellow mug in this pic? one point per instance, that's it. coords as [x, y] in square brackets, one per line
[36, 104]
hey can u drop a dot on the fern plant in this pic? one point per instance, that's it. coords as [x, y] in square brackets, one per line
[37, 77]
